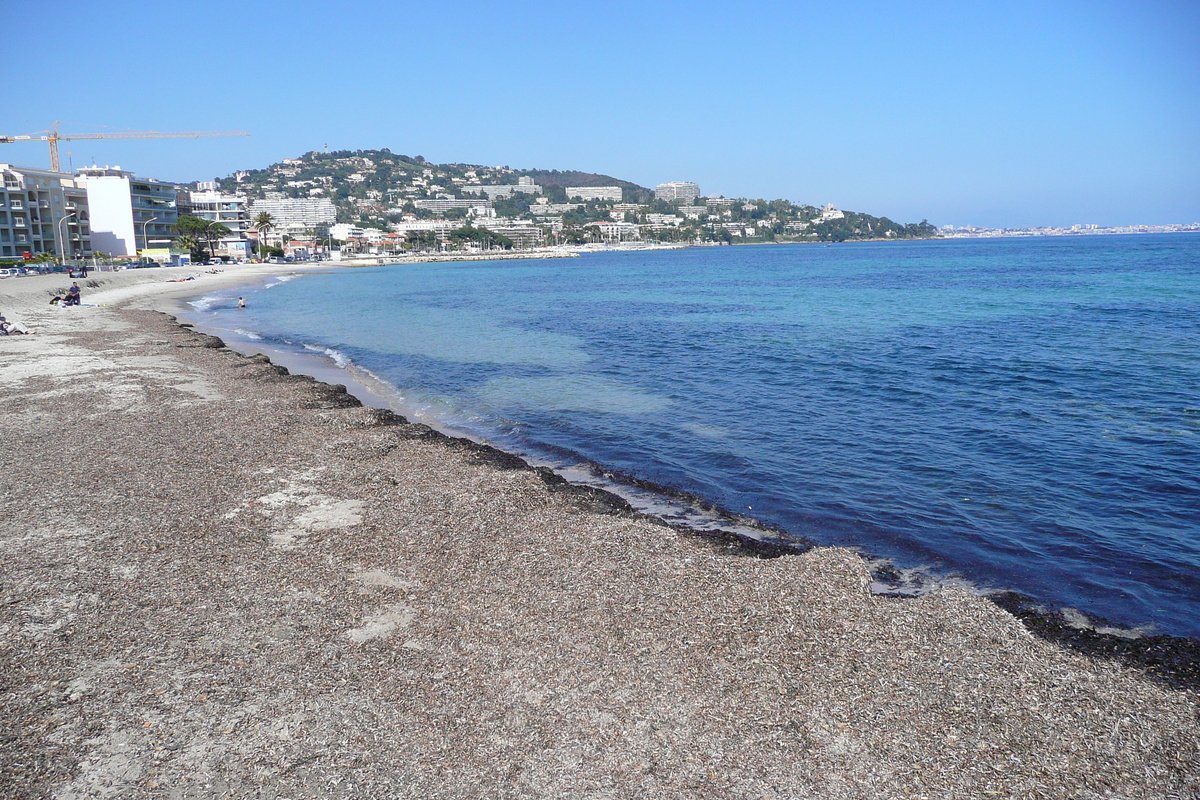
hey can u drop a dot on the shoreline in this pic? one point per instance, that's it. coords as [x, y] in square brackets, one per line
[248, 578]
[1175, 659]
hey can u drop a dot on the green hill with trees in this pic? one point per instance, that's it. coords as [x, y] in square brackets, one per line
[385, 190]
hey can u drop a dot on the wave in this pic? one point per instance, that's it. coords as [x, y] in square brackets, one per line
[206, 302]
[279, 279]
[339, 358]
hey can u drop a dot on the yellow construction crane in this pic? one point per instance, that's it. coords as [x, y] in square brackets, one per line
[54, 137]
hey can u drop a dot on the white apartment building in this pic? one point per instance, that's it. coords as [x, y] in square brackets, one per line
[229, 210]
[42, 212]
[344, 232]
[585, 193]
[664, 219]
[677, 190]
[542, 209]
[616, 231]
[522, 232]
[439, 226]
[296, 213]
[444, 205]
[524, 185]
[129, 214]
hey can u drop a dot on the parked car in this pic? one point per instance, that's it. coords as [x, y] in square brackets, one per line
[9, 273]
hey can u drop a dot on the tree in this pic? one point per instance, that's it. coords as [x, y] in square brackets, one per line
[422, 240]
[263, 223]
[481, 236]
[214, 232]
[193, 246]
[204, 231]
[191, 231]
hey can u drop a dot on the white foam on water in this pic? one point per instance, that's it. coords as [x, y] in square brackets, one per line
[204, 303]
[338, 357]
[279, 279]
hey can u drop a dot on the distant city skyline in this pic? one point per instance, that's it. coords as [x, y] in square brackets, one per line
[1011, 114]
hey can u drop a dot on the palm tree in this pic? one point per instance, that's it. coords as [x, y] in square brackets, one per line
[263, 223]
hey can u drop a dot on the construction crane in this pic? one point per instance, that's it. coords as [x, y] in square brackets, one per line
[54, 137]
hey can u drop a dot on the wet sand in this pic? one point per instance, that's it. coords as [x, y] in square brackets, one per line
[221, 580]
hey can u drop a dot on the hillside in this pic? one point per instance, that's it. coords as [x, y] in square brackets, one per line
[385, 190]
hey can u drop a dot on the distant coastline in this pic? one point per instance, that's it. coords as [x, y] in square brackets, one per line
[972, 232]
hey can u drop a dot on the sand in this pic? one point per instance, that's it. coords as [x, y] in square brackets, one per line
[218, 580]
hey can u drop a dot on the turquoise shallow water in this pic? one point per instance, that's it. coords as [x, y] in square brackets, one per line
[1021, 413]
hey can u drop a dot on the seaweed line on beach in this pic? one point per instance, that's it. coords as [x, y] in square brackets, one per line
[1173, 660]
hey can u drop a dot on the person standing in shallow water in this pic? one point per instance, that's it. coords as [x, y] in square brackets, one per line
[241, 302]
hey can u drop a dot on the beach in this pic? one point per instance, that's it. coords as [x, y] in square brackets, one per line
[220, 579]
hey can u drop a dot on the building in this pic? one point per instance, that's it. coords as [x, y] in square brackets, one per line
[42, 212]
[616, 231]
[344, 232]
[438, 226]
[305, 213]
[677, 190]
[543, 209]
[585, 193]
[664, 219]
[129, 214]
[230, 210]
[444, 205]
[524, 185]
[829, 212]
[522, 232]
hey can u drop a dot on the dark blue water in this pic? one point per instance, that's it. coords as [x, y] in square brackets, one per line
[1022, 413]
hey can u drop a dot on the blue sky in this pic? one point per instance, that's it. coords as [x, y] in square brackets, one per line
[987, 113]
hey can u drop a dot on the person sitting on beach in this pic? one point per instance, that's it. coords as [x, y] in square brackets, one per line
[73, 296]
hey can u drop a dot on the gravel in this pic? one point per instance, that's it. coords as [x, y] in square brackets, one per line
[220, 580]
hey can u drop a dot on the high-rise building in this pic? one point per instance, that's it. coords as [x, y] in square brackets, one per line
[129, 214]
[225, 209]
[612, 193]
[42, 212]
[677, 190]
[524, 185]
[304, 212]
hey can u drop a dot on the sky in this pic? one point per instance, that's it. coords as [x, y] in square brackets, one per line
[985, 113]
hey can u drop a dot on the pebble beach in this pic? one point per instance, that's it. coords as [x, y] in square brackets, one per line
[219, 579]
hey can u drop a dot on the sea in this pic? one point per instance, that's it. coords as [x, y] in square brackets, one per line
[1018, 414]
